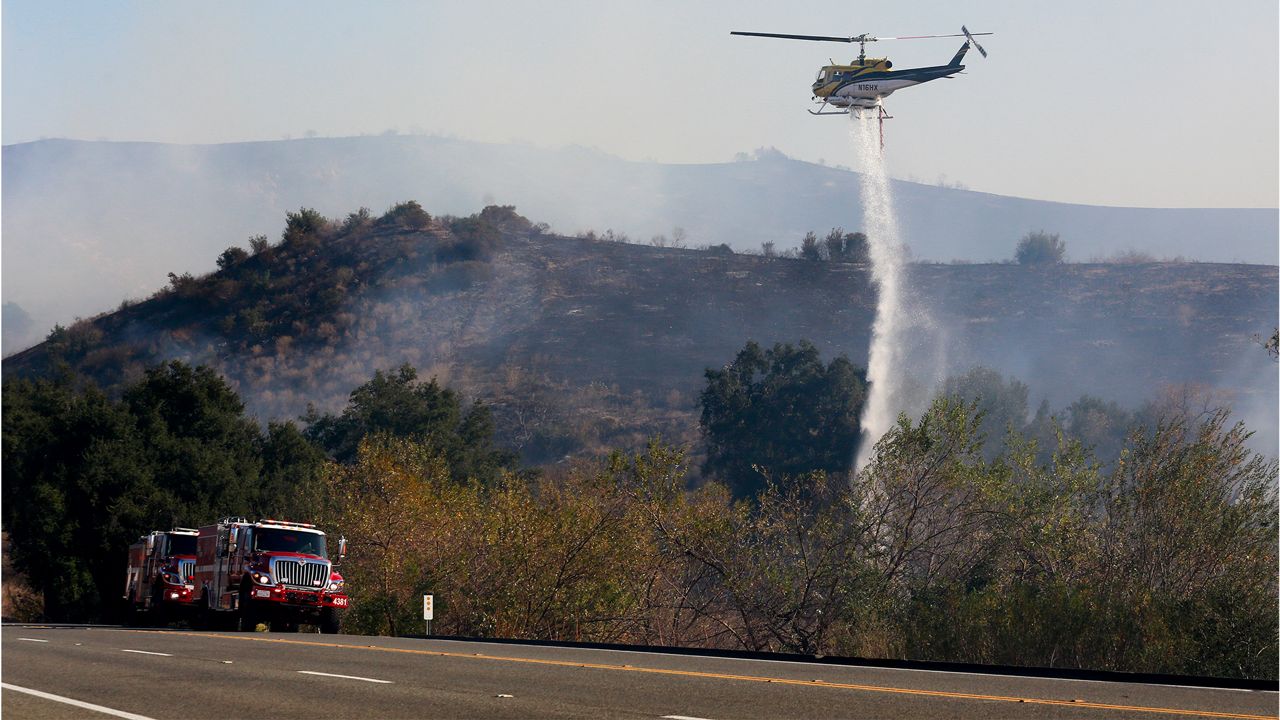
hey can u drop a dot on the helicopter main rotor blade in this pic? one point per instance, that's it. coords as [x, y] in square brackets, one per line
[858, 38]
[922, 37]
[801, 37]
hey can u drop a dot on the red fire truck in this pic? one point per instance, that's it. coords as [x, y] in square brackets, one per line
[158, 580]
[270, 571]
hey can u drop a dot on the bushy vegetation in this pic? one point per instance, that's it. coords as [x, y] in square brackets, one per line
[936, 550]
[1040, 248]
[1166, 565]
[837, 246]
[296, 295]
[1102, 427]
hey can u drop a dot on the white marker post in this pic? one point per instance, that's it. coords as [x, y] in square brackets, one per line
[428, 610]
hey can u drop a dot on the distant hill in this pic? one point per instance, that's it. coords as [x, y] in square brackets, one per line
[580, 344]
[87, 224]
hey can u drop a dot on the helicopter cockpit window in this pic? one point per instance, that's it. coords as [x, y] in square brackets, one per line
[822, 75]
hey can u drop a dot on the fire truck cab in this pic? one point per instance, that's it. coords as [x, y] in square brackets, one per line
[158, 579]
[271, 571]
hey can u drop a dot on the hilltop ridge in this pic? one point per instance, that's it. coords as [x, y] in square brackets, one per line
[547, 325]
[106, 221]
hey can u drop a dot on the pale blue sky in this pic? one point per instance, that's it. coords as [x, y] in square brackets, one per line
[1117, 102]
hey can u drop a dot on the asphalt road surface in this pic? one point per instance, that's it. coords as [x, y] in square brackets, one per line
[110, 672]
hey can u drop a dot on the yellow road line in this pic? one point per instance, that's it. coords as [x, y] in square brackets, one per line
[746, 678]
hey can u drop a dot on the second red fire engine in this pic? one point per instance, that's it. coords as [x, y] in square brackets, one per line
[158, 580]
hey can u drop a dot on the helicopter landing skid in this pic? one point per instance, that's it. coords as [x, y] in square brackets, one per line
[881, 115]
[832, 112]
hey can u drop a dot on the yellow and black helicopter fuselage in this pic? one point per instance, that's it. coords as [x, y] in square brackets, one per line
[867, 81]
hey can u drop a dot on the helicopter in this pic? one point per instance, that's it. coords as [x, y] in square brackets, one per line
[864, 83]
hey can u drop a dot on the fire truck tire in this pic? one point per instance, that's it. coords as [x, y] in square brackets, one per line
[130, 614]
[247, 615]
[159, 609]
[330, 621]
[210, 619]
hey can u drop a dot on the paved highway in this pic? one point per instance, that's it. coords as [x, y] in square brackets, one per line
[193, 675]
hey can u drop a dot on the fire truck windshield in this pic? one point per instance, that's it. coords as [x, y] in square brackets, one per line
[182, 544]
[295, 541]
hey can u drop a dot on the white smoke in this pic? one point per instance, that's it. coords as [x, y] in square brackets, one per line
[906, 358]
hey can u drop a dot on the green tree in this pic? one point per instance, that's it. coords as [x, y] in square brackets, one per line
[77, 488]
[259, 244]
[200, 446]
[505, 218]
[1190, 536]
[856, 248]
[929, 497]
[1101, 426]
[809, 249]
[1002, 404]
[408, 214]
[232, 256]
[847, 247]
[834, 243]
[357, 220]
[397, 404]
[1040, 248]
[291, 477]
[782, 411]
[306, 223]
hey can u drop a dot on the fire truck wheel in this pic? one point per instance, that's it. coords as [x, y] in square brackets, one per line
[200, 617]
[207, 618]
[248, 618]
[159, 608]
[130, 614]
[330, 621]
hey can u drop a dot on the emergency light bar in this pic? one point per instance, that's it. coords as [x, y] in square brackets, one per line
[286, 522]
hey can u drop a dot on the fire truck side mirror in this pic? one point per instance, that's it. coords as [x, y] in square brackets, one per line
[231, 541]
[151, 543]
[342, 548]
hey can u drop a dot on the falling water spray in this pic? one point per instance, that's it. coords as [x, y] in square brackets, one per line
[899, 326]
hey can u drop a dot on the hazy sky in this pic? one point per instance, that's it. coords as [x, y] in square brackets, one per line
[1114, 102]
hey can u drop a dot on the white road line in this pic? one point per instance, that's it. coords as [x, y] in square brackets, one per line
[77, 703]
[681, 717]
[32, 640]
[347, 677]
[147, 652]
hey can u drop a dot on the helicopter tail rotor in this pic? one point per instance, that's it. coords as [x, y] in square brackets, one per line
[973, 42]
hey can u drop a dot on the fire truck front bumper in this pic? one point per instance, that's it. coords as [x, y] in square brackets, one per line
[178, 594]
[293, 597]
